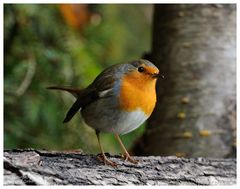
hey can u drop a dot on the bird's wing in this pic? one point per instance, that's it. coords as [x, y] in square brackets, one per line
[101, 87]
[106, 81]
[86, 97]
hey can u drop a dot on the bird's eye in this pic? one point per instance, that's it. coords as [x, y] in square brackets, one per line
[141, 69]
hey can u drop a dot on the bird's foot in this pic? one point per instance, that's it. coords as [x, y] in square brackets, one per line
[102, 157]
[127, 157]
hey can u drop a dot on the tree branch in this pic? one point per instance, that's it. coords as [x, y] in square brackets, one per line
[37, 167]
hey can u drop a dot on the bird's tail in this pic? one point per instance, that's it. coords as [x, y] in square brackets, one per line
[75, 92]
[76, 106]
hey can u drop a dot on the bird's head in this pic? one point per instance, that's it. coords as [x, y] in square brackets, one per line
[143, 70]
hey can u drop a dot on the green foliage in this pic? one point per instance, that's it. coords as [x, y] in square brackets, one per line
[41, 50]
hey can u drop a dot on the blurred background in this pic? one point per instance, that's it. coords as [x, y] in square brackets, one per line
[68, 45]
[193, 45]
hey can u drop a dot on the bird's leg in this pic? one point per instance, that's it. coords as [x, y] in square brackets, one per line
[127, 157]
[103, 157]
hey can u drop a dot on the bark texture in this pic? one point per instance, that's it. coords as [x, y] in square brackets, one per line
[36, 167]
[195, 48]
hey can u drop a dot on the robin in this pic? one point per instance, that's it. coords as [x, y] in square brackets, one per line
[118, 101]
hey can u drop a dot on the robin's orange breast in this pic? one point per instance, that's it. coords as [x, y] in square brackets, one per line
[138, 91]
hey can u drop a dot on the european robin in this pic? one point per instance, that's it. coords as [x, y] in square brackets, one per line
[118, 101]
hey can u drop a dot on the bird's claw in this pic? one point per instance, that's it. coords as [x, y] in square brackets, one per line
[102, 157]
[130, 159]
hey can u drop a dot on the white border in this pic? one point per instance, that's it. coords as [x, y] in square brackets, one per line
[110, 2]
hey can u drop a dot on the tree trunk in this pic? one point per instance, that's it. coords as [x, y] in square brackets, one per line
[195, 48]
[36, 167]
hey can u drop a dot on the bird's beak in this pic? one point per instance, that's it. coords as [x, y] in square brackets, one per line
[158, 75]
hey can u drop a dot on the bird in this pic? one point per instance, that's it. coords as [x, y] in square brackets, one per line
[118, 101]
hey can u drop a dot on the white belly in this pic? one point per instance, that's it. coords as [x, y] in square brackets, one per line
[110, 119]
[129, 121]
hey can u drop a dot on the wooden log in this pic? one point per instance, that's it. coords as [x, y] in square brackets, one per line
[38, 167]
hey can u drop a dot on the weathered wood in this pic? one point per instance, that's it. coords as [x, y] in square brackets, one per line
[37, 167]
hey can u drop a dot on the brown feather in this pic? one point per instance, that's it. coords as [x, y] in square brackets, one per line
[84, 97]
[75, 92]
